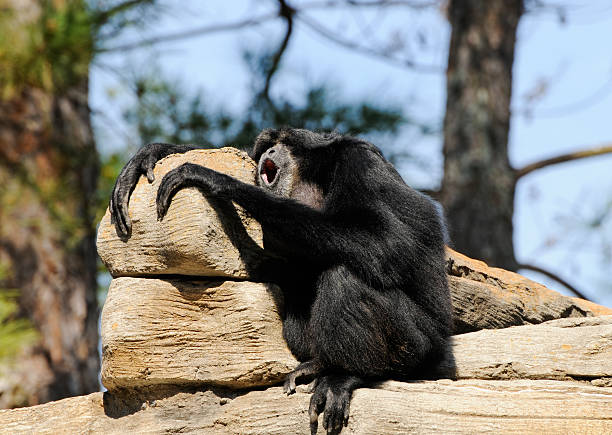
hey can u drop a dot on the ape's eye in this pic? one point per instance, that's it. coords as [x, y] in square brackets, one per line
[269, 171]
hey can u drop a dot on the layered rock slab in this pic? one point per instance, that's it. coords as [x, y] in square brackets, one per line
[577, 348]
[462, 407]
[211, 238]
[164, 337]
[196, 237]
[182, 332]
[486, 297]
[229, 333]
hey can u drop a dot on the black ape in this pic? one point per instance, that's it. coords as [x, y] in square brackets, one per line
[365, 287]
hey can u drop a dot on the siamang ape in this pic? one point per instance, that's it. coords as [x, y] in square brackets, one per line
[364, 280]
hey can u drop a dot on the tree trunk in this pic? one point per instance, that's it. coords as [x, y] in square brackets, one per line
[478, 185]
[48, 173]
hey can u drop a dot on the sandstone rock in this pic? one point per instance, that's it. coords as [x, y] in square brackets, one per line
[559, 349]
[165, 338]
[464, 407]
[184, 332]
[218, 239]
[488, 298]
[192, 239]
[229, 334]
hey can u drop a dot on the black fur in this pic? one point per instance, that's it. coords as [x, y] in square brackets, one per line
[365, 287]
[141, 164]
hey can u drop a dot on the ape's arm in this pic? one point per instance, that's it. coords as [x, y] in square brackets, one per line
[141, 164]
[295, 228]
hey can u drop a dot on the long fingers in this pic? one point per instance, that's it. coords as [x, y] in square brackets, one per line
[120, 199]
[336, 411]
[317, 404]
[172, 182]
[147, 167]
[141, 164]
[289, 385]
[332, 397]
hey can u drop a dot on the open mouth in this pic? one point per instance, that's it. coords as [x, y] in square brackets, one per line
[269, 170]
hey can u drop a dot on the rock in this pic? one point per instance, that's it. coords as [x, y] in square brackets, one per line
[466, 407]
[559, 349]
[486, 297]
[218, 239]
[192, 239]
[229, 333]
[182, 332]
[193, 354]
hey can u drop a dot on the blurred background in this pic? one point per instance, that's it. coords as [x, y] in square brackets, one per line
[499, 109]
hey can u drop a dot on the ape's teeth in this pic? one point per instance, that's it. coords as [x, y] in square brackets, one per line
[269, 171]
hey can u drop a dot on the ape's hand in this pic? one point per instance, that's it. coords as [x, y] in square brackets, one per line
[332, 397]
[141, 164]
[209, 181]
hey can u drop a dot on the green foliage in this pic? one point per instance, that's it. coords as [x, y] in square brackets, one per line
[166, 112]
[110, 166]
[15, 333]
[321, 111]
[51, 48]
[52, 44]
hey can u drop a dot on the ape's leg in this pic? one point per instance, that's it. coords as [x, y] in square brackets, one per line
[305, 369]
[353, 326]
[332, 396]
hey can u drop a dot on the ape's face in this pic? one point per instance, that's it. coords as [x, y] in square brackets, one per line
[277, 170]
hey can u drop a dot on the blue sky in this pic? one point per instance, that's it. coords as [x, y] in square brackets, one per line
[573, 60]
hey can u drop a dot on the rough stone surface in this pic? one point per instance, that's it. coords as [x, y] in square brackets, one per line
[560, 349]
[224, 333]
[489, 298]
[191, 240]
[463, 407]
[228, 333]
[163, 338]
[198, 239]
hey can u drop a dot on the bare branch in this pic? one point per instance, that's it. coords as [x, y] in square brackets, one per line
[602, 92]
[287, 13]
[432, 193]
[193, 33]
[325, 4]
[605, 149]
[103, 16]
[557, 278]
[372, 52]
[383, 3]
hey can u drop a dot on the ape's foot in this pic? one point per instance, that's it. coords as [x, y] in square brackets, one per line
[332, 397]
[305, 369]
